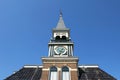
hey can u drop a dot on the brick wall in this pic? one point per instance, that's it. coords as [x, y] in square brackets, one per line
[72, 65]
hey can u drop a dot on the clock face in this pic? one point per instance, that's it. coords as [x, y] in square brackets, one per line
[60, 50]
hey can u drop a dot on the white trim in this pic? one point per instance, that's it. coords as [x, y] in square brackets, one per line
[71, 50]
[81, 66]
[59, 58]
[49, 50]
[32, 66]
[59, 62]
[88, 66]
[52, 51]
[68, 50]
[70, 73]
[61, 43]
[45, 69]
[49, 75]
[73, 69]
[59, 69]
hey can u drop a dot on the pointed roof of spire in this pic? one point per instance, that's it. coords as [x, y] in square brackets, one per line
[60, 24]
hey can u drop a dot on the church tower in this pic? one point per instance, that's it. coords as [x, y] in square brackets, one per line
[60, 63]
[61, 45]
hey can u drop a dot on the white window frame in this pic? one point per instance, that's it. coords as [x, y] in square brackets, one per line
[67, 71]
[51, 71]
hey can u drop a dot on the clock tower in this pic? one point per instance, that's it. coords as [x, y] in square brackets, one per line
[60, 44]
[60, 63]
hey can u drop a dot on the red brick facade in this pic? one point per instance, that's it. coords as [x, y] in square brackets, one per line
[71, 63]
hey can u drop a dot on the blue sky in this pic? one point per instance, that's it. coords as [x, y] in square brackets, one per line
[25, 30]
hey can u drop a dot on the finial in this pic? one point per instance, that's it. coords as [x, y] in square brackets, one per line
[61, 12]
[61, 24]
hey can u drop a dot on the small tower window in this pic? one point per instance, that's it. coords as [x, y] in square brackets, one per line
[57, 38]
[63, 37]
[53, 73]
[65, 73]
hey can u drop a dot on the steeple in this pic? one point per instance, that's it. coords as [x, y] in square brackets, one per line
[60, 24]
[60, 44]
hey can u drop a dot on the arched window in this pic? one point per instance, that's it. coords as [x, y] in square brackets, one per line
[53, 73]
[63, 37]
[65, 73]
[57, 38]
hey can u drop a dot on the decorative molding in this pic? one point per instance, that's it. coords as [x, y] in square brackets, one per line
[59, 58]
[80, 66]
[46, 69]
[60, 62]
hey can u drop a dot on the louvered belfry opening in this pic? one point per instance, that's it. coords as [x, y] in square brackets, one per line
[57, 38]
[64, 38]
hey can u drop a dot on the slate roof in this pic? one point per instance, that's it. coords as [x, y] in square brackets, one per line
[85, 73]
[29, 73]
[61, 24]
[93, 73]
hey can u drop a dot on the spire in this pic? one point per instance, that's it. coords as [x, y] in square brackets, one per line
[60, 24]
